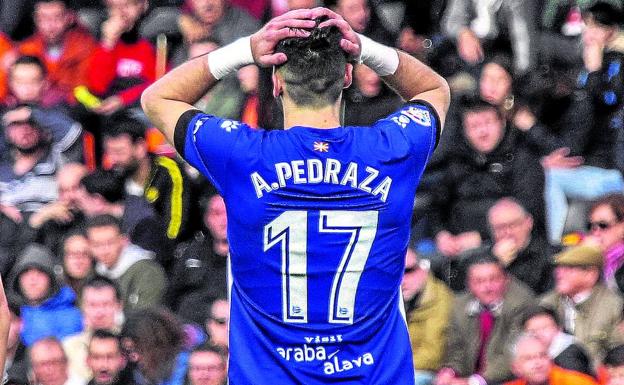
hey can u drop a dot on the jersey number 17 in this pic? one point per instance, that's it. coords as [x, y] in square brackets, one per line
[290, 231]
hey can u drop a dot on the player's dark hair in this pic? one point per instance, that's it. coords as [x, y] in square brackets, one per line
[30, 60]
[99, 282]
[104, 220]
[105, 183]
[615, 357]
[122, 124]
[315, 68]
[535, 311]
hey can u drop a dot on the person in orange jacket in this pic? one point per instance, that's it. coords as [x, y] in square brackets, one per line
[61, 44]
[532, 365]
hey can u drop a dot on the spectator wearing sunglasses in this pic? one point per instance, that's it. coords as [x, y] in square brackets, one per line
[605, 229]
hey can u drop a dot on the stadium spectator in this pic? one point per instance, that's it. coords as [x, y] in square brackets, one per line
[61, 44]
[369, 99]
[123, 64]
[155, 339]
[598, 174]
[49, 363]
[141, 280]
[563, 349]
[525, 253]
[106, 360]
[27, 171]
[102, 193]
[215, 19]
[217, 323]
[612, 370]
[47, 307]
[428, 304]
[77, 261]
[16, 18]
[479, 28]
[159, 179]
[102, 309]
[589, 310]
[207, 366]
[421, 27]
[488, 163]
[52, 222]
[483, 324]
[532, 366]
[16, 364]
[362, 17]
[30, 89]
[200, 274]
[606, 231]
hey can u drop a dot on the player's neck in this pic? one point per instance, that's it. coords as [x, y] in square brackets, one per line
[326, 117]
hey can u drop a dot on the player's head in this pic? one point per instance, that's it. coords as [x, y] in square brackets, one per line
[316, 70]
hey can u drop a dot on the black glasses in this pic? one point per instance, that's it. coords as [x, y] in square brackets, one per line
[600, 225]
[409, 270]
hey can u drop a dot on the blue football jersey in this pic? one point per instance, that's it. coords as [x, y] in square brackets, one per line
[318, 225]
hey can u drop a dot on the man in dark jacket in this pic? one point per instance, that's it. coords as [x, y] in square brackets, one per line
[161, 180]
[490, 163]
[524, 253]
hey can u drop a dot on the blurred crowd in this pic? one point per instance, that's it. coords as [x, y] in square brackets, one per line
[114, 251]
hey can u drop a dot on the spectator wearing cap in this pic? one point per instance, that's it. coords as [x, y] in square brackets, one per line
[612, 370]
[589, 310]
[483, 324]
[48, 308]
[532, 366]
[565, 351]
[428, 304]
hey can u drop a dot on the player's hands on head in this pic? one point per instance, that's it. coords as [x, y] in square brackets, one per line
[291, 24]
[350, 42]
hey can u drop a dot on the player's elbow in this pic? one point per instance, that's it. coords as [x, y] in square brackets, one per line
[147, 100]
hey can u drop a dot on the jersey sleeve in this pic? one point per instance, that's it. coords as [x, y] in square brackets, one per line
[207, 141]
[418, 122]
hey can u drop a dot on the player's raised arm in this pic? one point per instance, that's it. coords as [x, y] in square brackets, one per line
[175, 93]
[408, 76]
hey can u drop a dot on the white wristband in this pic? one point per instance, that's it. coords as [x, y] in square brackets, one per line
[230, 58]
[380, 58]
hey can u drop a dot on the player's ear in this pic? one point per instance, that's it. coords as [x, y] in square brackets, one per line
[348, 78]
[277, 84]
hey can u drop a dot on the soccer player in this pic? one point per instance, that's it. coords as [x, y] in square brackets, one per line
[318, 214]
